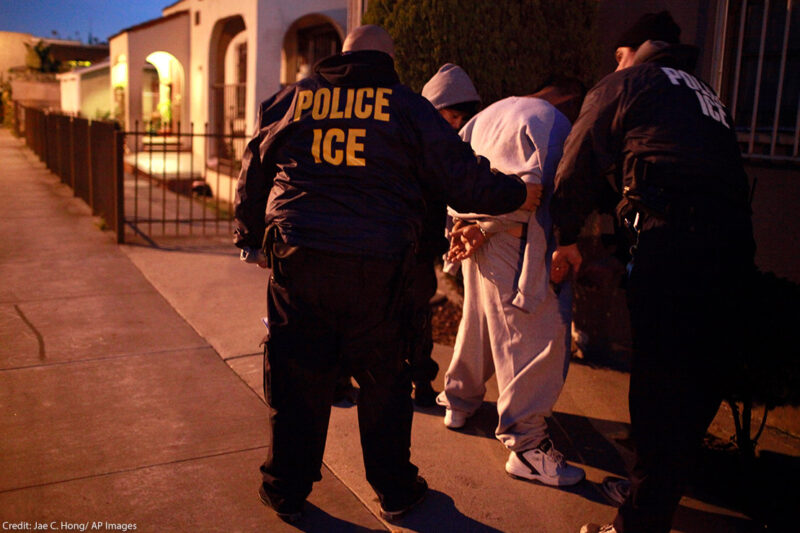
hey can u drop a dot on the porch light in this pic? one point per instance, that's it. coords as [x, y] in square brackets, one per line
[119, 72]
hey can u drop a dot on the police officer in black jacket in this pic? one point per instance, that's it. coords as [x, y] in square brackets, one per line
[334, 178]
[664, 142]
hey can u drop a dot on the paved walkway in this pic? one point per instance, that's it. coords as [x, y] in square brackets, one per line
[130, 393]
[113, 409]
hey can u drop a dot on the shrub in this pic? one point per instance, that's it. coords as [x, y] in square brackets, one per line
[508, 47]
[40, 58]
[769, 374]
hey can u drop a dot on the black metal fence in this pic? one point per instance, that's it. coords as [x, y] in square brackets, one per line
[152, 184]
[177, 185]
[85, 155]
[19, 119]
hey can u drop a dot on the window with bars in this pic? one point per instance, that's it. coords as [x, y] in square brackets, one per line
[317, 42]
[760, 82]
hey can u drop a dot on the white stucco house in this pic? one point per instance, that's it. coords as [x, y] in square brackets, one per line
[87, 91]
[204, 66]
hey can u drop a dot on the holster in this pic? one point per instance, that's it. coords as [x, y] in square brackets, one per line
[274, 246]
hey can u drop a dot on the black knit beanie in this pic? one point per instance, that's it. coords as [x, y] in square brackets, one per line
[651, 26]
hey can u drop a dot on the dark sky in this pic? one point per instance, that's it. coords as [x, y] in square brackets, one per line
[75, 19]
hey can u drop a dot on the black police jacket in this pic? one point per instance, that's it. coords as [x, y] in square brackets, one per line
[341, 159]
[659, 136]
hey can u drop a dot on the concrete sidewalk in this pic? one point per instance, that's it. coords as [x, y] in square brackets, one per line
[130, 387]
[224, 298]
[114, 411]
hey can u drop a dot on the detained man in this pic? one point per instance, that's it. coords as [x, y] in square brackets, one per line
[514, 323]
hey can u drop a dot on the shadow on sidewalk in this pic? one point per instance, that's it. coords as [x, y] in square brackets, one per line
[199, 244]
[438, 513]
[315, 519]
[619, 360]
[589, 441]
[766, 490]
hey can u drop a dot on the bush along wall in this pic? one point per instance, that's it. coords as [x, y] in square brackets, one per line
[508, 47]
[768, 372]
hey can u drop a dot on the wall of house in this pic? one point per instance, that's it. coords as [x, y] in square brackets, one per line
[12, 50]
[70, 93]
[776, 226]
[170, 36]
[275, 19]
[86, 93]
[204, 17]
[176, 7]
[355, 12]
[118, 56]
[266, 23]
[45, 94]
[95, 94]
[232, 56]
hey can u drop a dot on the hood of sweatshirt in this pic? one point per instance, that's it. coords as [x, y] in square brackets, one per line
[358, 69]
[450, 86]
[680, 56]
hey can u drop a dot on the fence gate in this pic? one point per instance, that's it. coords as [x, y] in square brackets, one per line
[180, 183]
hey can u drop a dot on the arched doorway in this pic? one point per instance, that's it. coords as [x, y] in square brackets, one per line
[162, 92]
[308, 39]
[228, 97]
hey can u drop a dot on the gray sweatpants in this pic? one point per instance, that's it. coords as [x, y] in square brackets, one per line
[527, 351]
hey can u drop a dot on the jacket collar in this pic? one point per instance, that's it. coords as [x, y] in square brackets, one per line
[681, 56]
[358, 69]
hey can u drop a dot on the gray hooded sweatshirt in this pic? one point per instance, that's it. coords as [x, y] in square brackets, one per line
[450, 86]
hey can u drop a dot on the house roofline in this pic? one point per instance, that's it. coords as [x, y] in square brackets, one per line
[85, 70]
[151, 22]
[173, 4]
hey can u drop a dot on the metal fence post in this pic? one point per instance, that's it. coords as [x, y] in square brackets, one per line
[119, 185]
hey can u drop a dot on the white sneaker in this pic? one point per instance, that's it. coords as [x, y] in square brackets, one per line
[595, 528]
[616, 489]
[544, 464]
[454, 419]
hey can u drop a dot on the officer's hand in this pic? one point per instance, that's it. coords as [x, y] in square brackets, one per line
[257, 257]
[566, 261]
[534, 197]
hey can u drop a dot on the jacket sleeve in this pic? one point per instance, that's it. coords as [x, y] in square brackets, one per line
[590, 151]
[254, 184]
[451, 170]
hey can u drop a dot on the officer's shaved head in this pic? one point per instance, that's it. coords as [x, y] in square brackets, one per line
[369, 37]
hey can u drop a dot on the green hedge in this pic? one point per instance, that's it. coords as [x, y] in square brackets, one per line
[508, 47]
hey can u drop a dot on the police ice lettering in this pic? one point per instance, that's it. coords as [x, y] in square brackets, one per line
[709, 103]
[334, 145]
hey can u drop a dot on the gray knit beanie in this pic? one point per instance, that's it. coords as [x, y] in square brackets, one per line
[450, 86]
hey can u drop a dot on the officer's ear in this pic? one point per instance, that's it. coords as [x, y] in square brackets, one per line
[624, 56]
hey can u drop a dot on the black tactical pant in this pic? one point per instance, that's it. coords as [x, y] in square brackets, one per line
[332, 313]
[688, 293]
[420, 334]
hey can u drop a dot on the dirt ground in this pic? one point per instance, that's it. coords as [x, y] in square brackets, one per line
[446, 316]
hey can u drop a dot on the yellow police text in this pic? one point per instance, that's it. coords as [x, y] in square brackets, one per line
[338, 102]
